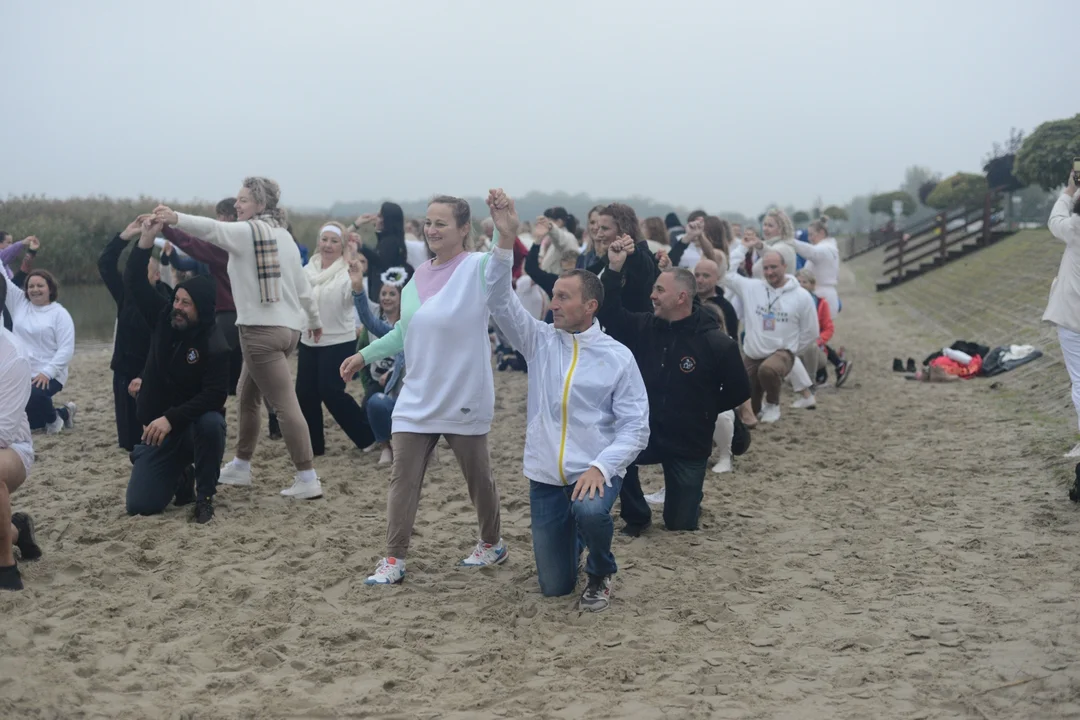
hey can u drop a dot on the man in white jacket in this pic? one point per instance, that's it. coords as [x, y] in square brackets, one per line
[588, 418]
[780, 318]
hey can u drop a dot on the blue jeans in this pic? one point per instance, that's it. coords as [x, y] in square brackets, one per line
[380, 409]
[157, 469]
[39, 408]
[562, 528]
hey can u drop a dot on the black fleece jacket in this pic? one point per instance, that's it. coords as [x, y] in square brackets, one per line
[692, 371]
[187, 371]
[132, 331]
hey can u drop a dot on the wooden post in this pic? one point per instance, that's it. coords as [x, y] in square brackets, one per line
[984, 237]
[943, 229]
[899, 257]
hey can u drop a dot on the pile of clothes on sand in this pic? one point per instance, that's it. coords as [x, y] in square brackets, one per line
[964, 360]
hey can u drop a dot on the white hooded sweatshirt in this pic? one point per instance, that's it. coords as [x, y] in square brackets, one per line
[587, 403]
[775, 319]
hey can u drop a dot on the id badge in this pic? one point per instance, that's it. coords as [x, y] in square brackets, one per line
[768, 322]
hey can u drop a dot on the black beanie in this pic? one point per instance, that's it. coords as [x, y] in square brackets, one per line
[672, 221]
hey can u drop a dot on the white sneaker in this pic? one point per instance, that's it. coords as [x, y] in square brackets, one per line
[656, 498]
[484, 555]
[389, 571]
[303, 489]
[70, 421]
[1074, 453]
[55, 426]
[233, 475]
[724, 466]
[386, 456]
[770, 413]
[370, 447]
[805, 403]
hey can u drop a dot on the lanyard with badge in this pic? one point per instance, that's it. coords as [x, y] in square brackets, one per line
[768, 320]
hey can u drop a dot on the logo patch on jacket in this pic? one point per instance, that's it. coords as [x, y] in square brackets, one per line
[687, 364]
[192, 356]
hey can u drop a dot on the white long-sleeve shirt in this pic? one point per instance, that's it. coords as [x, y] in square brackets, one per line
[333, 294]
[15, 378]
[562, 240]
[587, 403]
[822, 259]
[46, 333]
[295, 310]
[1063, 307]
[775, 319]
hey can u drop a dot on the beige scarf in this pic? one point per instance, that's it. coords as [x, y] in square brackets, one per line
[324, 276]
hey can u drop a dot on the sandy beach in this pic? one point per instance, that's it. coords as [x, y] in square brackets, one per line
[904, 551]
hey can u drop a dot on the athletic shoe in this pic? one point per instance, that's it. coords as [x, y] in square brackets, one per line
[844, 369]
[69, 421]
[55, 426]
[724, 466]
[597, 595]
[303, 489]
[233, 475]
[275, 428]
[204, 511]
[770, 413]
[635, 530]
[390, 571]
[10, 579]
[485, 555]
[386, 456]
[27, 542]
[822, 377]
[1074, 453]
[656, 498]
[805, 403]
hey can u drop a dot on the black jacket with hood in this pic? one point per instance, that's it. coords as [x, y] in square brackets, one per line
[132, 331]
[692, 371]
[187, 371]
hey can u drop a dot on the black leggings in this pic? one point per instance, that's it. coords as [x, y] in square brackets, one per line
[318, 382]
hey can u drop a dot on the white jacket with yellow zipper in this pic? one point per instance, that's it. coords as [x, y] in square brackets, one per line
[587, 403]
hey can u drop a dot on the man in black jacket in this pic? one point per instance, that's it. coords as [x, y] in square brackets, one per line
[132, 341]
[693, 372]
[181, 397]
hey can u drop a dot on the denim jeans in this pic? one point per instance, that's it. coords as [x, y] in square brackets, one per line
[380, 410]
[684, 480]
[562, 528]
[157, 469]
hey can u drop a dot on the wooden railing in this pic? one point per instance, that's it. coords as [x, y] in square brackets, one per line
[931, 241]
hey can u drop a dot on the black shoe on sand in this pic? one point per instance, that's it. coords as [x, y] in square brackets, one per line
[911, 365]
[897, 365]
[10, 579]
[635, 529]
[275, 428]
[27, 542]
[204, 511]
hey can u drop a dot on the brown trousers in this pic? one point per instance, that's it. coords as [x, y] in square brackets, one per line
[766, 377]
[412, 451]
[266, 373]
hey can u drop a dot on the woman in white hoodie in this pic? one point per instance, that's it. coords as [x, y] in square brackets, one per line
[1063, 308]
[823, 260]
[273, 306]
[318, 381]
[779, 235]
[47, 334]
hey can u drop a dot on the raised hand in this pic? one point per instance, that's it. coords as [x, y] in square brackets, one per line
[542, 227]
[1070, 186]
[351, 366]
[163, 215]
[133, 229]
[626, 243]
[695, 231]
[366, 219]
[356, 275]
[32, 243]
[167, 248]
[616, 254]
[504, 215]
[663, 261]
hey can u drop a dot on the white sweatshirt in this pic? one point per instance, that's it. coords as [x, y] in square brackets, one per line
[822, 259]
[332, 292]
[561, 241]
[587, 403]
[416, 253]
[775, 319]
[47, 333]
[295, 310]
[15, 379]
[1063, 307]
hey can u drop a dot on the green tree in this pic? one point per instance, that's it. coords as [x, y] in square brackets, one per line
[834, 212]
[962, 189]
[915, 177]
[800, 217]
[1046, 157]
[883, 203]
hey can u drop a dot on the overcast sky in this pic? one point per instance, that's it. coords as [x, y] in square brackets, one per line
[726, 105]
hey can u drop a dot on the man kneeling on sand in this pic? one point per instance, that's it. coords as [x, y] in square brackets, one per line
[181, 393]
[588, 418]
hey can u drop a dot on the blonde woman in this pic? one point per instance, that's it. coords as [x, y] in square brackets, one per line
[823, 260]
[318, 381]
[779, 235]
[273, 306]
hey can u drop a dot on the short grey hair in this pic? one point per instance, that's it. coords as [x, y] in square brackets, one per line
[777, 253]
[685, 278]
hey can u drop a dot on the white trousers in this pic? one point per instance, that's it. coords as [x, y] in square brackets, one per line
[1070, 350]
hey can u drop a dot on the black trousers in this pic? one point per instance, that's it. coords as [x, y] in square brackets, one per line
[684, 481]
[128, 428]
[318, 383]
[157, 469]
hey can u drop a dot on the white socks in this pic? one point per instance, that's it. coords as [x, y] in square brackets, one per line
[307, 476]
[244, 465]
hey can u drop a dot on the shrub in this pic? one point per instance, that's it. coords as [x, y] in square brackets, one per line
[962, 189]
